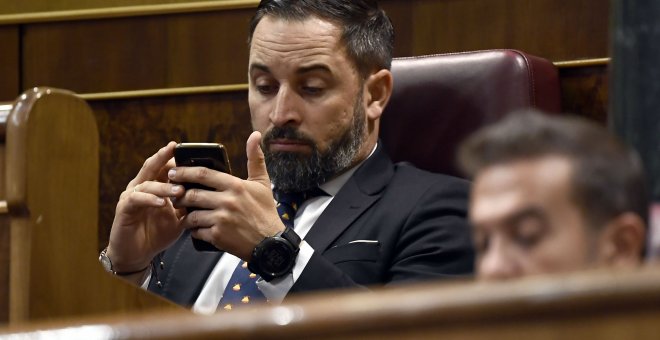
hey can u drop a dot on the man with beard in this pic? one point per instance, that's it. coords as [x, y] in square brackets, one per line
[319, 80]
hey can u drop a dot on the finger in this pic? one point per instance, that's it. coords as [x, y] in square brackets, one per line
[256, 164]
[160, 189]
[198, 198]
[153, 165]
[197, 219]
[139, 200]
[207, 177]
[162, 174]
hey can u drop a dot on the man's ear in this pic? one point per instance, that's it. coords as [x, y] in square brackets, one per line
[378, 89]
[622, 241]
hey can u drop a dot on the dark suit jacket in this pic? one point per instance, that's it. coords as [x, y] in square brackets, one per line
[418, 219]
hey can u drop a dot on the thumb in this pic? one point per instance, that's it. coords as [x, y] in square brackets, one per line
[256, 162]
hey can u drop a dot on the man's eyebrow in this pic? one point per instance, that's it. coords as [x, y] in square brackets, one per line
[312, 68]
[528, 212]
[514, 217]
[259, 67]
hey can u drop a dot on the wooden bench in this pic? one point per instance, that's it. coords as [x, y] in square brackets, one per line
[49, 167]
[591, 305]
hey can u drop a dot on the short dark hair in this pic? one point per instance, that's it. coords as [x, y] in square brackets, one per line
[367, 32]
[608, 177]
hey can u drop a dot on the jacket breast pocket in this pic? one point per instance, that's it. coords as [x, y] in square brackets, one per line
[354, 251]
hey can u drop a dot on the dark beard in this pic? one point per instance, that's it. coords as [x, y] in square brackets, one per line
[294, 172]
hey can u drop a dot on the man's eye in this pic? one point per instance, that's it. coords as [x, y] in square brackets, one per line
[266, 89]
[312, 90]
[528, 233]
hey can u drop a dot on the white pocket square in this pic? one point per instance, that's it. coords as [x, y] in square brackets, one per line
[363, 241]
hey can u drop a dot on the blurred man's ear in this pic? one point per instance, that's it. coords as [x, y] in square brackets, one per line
[622, 241]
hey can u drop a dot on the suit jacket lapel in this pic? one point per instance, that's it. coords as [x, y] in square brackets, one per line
[192, 269]
[361, 191]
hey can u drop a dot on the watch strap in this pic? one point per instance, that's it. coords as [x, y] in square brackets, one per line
[290, 235]
[107, 265]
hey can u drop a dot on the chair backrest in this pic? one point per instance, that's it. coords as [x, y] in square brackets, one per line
[440, 99]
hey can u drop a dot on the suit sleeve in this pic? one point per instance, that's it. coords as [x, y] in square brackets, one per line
[431, 242]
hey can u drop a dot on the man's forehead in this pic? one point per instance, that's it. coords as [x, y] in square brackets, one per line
[285, 30]
[297, 46]
[543, 171]
[502, 190]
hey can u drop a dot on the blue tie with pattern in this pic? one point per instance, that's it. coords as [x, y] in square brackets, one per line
[242, 287]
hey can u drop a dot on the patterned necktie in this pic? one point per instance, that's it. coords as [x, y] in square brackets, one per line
[242, 287]
[288, 203]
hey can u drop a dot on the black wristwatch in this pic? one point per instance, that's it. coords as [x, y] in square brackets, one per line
[275, 256]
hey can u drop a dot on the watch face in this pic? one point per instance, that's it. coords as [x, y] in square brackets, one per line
[276, 258]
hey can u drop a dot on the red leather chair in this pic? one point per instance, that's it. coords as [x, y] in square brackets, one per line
[440, 99]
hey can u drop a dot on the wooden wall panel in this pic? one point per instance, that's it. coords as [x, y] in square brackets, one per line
[138, 53]
[556, 30]
[30, 6]
[9, 63]
[133, 129]
[584, 91]
[91, 56]
[209, 48]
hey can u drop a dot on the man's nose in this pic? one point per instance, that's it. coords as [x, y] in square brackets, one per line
[287, 107]
[498, 263]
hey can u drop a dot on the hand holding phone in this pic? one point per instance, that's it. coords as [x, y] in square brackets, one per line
[209, 155]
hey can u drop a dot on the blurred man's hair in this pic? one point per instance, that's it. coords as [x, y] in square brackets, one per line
[607, 177]
[367, 34]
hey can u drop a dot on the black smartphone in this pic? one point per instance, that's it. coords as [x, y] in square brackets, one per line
[210, 155]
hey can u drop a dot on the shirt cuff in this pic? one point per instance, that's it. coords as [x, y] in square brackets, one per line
[276, 289]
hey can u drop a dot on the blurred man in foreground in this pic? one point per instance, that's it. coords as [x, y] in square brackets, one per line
[553, 195]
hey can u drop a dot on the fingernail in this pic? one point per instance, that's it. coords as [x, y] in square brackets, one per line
[171, 173]
[160, 201]
[176, 189]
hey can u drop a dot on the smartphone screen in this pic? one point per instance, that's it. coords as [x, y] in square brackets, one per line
[209, 155]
